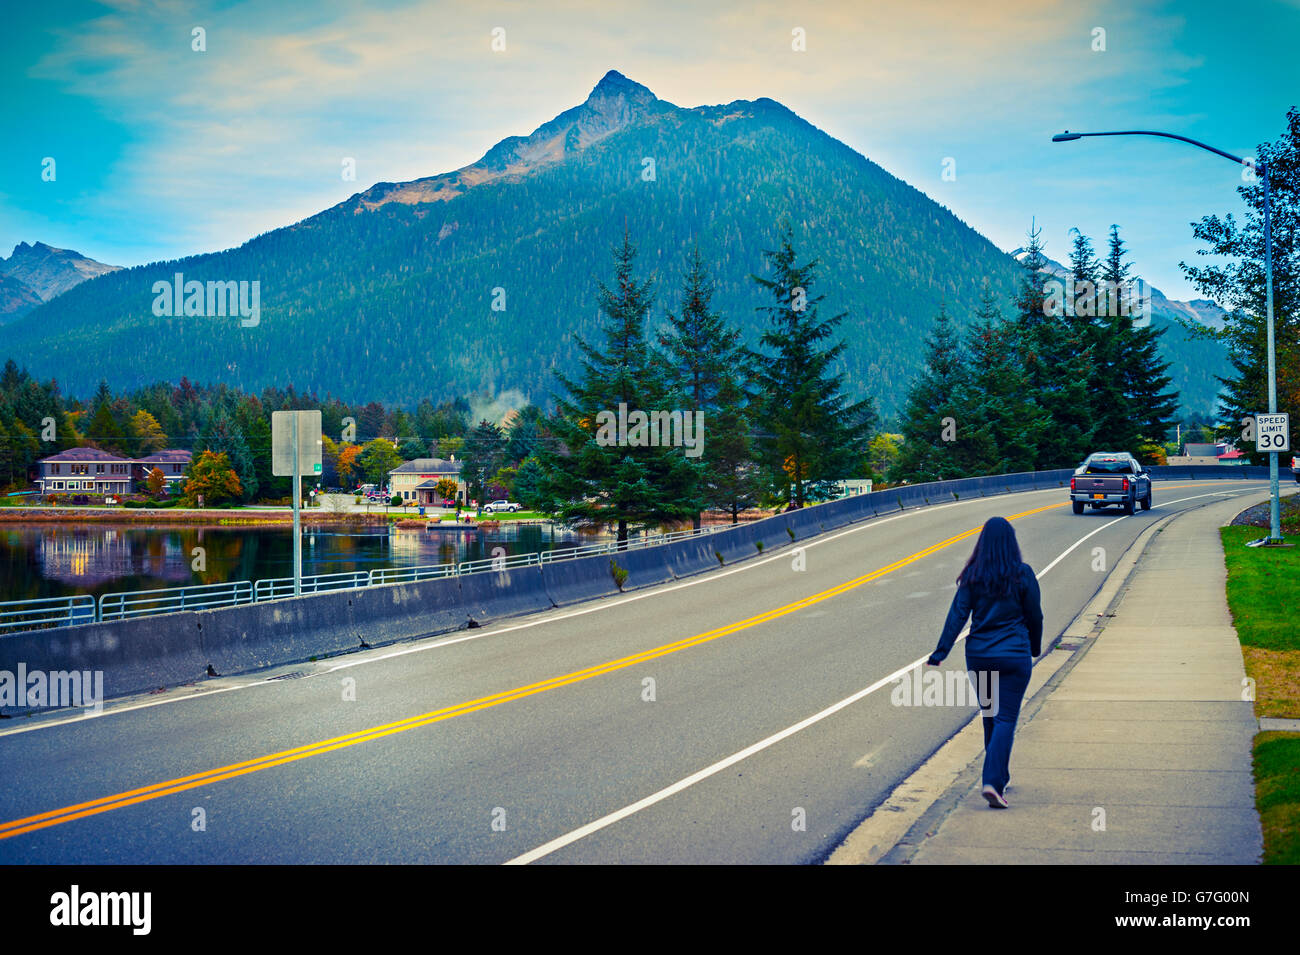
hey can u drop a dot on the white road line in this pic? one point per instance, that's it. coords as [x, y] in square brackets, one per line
[703, 774]
[493, 630]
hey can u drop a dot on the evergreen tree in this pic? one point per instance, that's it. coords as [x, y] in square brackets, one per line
[1056, 362]
[1144, 411]
[932, 424]
[104, 432]
[1239, 285]
[222, 436]
[731, 480]
[524, 436]
[595, 474]
[1004, 423]
[1105, 384]
[703, 359]
[260, 447]
[809, 434]
[529, 484]
[482, 455]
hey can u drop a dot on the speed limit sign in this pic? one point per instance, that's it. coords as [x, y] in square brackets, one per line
[1273, 432]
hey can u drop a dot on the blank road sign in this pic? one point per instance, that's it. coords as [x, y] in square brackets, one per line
[309, 445]
[1273, 432]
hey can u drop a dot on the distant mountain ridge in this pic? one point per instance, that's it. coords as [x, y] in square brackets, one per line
[476, 281]
[38, 273]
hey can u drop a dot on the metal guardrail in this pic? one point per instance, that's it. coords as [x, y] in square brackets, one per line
[405, 575]
[171, 599]
[276, 587]
[68, 611]
[41, 612]
[496, 563]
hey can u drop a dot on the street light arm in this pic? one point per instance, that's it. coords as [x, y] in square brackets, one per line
[1067, 136]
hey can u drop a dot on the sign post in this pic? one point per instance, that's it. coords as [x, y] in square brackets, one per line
[295, 450]
[1273, 434]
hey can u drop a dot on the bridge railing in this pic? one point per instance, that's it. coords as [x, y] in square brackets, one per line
[276, 588]
[406, 575]
[136, 603]
[43, 612]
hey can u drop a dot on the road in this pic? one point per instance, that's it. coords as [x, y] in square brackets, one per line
[537, 740]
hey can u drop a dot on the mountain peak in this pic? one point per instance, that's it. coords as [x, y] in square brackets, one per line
[615, 83]
[614, 104]
[48, 271]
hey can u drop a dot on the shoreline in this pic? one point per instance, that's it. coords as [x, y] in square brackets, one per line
[171, 515]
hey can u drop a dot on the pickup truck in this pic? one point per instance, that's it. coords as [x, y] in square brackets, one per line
[1108, 479]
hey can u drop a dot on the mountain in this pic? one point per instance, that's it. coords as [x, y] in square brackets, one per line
[38, 273]
[16, 299]
[1194, 361]
[477, 280]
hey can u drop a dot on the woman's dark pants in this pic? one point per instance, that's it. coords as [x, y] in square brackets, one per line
[1000, 729]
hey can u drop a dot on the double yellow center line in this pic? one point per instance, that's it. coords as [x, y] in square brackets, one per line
[129, 798]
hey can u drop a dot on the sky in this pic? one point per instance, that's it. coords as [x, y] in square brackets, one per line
[160, 150]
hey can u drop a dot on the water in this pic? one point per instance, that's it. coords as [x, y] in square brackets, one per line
[41, 560]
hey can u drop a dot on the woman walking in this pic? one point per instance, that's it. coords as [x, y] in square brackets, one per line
[999, 593]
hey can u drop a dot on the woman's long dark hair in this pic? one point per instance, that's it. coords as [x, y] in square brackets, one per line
[994, 565]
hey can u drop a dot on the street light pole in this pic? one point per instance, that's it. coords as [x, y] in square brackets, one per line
[1275, 506]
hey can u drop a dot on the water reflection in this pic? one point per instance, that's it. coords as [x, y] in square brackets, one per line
[44, 561]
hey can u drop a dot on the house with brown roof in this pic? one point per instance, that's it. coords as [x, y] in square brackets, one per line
[172, 462]
[97, 473]
[84, 471]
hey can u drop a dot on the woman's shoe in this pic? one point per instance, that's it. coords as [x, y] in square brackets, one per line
[993, 797]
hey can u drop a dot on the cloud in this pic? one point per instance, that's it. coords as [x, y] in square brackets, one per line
[250, 134]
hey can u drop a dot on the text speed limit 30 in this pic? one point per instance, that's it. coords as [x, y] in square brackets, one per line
[1272, 432]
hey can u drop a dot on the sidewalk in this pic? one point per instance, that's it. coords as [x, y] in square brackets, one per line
[1142, 752]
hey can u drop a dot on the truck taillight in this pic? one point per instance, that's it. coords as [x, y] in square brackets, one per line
[1125, 487]
[1071, 484]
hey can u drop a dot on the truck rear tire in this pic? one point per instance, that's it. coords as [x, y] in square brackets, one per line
[1078, 506]
[1129, 507]
[1146, 501]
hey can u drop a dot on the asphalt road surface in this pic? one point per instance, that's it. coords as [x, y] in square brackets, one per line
[743, 716]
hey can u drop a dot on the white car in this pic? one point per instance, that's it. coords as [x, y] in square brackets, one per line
[497, 507]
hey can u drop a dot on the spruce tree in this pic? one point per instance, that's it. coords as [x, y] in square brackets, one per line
[595, 474]
[222, 436]
[1056, 362]
[932, 424]
[1144, 411]
[1007, 424]
[482, 456]
[809, 434]
[703, 360]
[104, 432]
